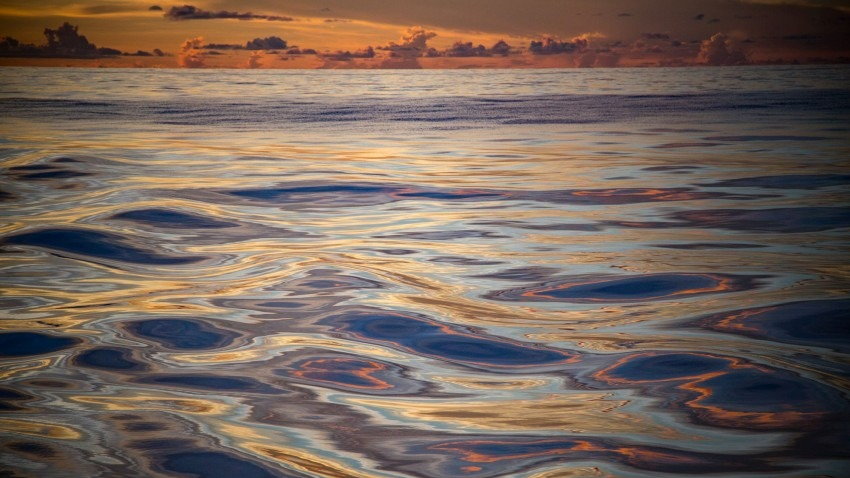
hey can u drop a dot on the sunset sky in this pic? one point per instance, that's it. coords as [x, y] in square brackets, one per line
[425, 33]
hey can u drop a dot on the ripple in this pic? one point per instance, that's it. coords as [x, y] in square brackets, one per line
[787, 181]
[444, 342]
[100, 245]
[726, 391]
[218, 383]
[109, 359]
[172, 219]
[637, 288]
[182, 334]
[822, 323]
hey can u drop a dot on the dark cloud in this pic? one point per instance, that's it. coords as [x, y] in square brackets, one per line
[368, 52]
[461, 49]
[155, 8]
[336, 20]
[699, 16]
[301, 51]
[468, 49]
[223, 46]
[624, 15]
[500, 48]
[190, 12]
[656, 36]
[550, 46]
[62, 42]
[268, 43]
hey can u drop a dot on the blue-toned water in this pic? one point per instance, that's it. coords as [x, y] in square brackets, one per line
[502, 273]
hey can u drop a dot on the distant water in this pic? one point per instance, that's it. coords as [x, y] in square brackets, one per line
[536, 273]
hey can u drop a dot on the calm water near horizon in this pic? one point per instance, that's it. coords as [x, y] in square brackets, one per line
[442, 273]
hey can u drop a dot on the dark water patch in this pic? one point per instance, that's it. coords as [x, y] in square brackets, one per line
[329, 281]
[687, 145]
[33, 167]
[766, 138]
[790, 219]
[160, 444]
[709, 245]
[655, 368]
[108, 358]
[100, 245]
[636, 288]
[31, 448]
[614, 196]
[561, 226]
[727, 391]
[144, 427]
[442, 341]
[172, 219]
[53, 175]
[182, 334]
[449, 195]
[462, 261]
[677, 130]
[671, 168]
[395, 252]
[787, 181]
[443, 235]
[212, 464]
[211, 382]
[821, 323]
[21, 344]
[10, 397]
[787, 219]
[355, 194]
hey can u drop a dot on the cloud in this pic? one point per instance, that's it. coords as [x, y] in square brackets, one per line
[699, 16]
[501, 48]
[190, 12]
[414, 42]
[550, 46]
[191, 55]
[64, 41]
[268, 43]
[460, 49]
[720, 50]
[301, 51]
[255, 60]
[656, 36]
[368, 52]
[155, 8]
[468, 49]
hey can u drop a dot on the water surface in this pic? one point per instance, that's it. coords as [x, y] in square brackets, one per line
[536, 273]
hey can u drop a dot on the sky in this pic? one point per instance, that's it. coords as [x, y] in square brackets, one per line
[424, 33]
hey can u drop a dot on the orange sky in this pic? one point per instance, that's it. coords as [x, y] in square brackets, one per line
[589, 33]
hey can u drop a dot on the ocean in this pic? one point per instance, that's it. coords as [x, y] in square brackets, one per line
[442, 273]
